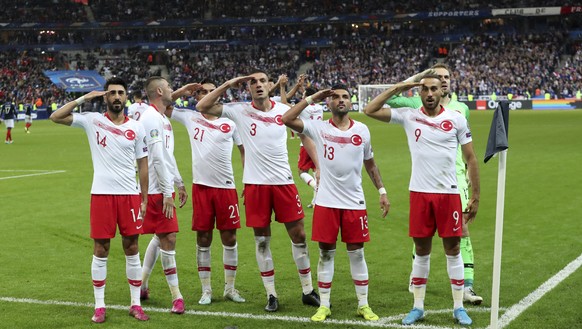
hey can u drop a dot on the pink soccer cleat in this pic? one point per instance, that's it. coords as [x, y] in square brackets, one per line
[137, 312]
[99, 315]
[178, 306]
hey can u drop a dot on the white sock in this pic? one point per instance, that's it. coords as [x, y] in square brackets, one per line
[325, 268]
[420, 270]
[265, 261]
[301, 257]
[230, 261]
[359, 271]
[308, 179]
[99, 275]
[171, 272]
[149, 260]
[456, 270]
[203, 259]
[133, 272]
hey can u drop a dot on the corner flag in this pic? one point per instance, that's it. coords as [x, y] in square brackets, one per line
[499, 131]
[498, 142]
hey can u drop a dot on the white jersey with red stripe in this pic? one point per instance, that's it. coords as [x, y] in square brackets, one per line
[159, 130]
[265, 139]
[114, 150]
[341, 155]
[312, 112]
[135, 110]
[433, 145]
[211, 142]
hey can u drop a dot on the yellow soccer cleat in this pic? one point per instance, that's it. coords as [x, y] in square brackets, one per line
[367, 313]
[321, 314]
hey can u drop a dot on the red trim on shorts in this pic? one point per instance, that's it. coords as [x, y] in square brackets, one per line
[458, 282]
[268, 273]
[203, 269]
[98, 283]
[230, 267]
[170, 271]
[361, 282]
[324, 285]
[305, 271]
[419, 281]
[135, 283]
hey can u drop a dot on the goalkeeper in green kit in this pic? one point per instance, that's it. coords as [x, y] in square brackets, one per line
[415, 102]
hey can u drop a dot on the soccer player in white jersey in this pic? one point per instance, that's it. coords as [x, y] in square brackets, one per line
[160, 218]
[267, 177]
[343, 145]
[136, 109]
[116, 143]
[435, 204]
[305, 162]
[214, 196]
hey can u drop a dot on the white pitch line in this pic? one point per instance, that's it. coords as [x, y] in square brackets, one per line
[514, 311]
[36, 174]
[382, 323]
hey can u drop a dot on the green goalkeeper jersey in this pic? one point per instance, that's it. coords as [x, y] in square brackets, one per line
[416, 102]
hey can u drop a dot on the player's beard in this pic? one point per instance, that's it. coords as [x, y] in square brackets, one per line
[115, 107]
[433, 104]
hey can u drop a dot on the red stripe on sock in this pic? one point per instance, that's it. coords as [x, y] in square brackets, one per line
[457, 282]
[268, 273]
[98, 283]
[135, 283]
[361, 282]
[305, 271]
[170, 271]
[419, 281]
[230, 267]
[203, 269]
[324, 285]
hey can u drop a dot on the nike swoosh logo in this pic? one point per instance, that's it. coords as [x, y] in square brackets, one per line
[235, 222]
[366, 234]
[138, 227]
[299, 211]
[456, 229]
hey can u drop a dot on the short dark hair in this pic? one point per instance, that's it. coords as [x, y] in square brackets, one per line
[310, 91]
[207, 81]
[137, 94]
[431, 76]
[115, 81]
[341, 86]
[257, 70]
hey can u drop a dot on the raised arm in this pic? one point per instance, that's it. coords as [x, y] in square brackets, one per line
[375, 109]
[374, 174]
[208, 104]
[186, 90]
[296, 87]
[473, 170]
[63, 115]
[291, 117]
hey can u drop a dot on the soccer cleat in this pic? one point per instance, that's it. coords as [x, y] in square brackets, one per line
[321, 314]
[367, 313]
[137, 312]
[206, 298]
[99, 315]
[311, 298]
[272, 304]
[178, 306]
[310, 205]
[469, 296]
[414, 315]
[144, 294]
[462, 317]
[234, 295]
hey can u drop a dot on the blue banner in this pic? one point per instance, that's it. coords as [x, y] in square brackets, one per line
[76, 81]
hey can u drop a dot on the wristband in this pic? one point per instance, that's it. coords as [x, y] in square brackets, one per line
[309, 100]
[382, 190]
[80, 100]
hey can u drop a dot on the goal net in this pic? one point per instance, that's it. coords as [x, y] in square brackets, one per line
[367, 93]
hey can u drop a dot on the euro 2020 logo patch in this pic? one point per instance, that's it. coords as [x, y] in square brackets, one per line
[154, 133]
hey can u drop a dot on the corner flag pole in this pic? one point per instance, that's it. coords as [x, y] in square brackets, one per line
[498, 143]
[498, 239]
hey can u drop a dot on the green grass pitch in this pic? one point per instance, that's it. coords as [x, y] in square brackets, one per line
[45, 253]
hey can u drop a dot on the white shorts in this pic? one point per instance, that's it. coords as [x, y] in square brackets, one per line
[9, 123]
[28, 119]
